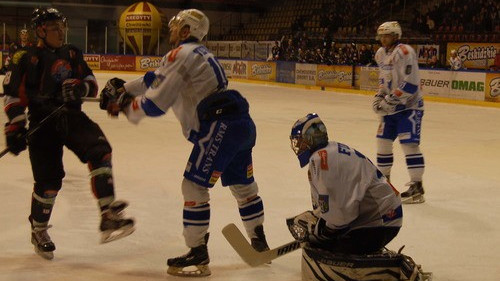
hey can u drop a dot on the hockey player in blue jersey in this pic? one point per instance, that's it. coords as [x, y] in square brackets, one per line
[216, 120]
[401, 108]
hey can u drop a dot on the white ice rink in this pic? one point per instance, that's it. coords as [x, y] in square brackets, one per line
[455, 234]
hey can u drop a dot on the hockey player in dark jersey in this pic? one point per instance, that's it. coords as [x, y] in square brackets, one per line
[50, 80]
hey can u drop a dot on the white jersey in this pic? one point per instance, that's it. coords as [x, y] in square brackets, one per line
[455, 63]
[349, 191]
[399, 77]
[186, 76]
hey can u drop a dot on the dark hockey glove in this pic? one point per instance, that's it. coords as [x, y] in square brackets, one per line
[302, 227]
[15, 135]
[74, 89]
[113, 97]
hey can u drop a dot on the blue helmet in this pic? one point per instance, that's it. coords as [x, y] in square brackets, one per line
[308, 135]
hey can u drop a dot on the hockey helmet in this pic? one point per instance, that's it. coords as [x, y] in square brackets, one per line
[389, 27]
[41, 16]
[308, 135]
[196, 20]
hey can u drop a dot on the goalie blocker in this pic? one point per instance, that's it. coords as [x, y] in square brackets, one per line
[321, 265]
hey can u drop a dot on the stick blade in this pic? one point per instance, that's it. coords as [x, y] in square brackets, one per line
[240, 245]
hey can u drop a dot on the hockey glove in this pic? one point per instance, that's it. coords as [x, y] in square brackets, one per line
[74, 89]
[377, 99]
[302, 227]
[113, 97]
[15, 134]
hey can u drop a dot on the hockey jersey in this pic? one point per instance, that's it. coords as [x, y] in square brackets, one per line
[349, 192]
[399, 77]
[185, 77]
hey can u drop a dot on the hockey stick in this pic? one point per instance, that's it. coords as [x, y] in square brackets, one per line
[31, 132]
[248, 253]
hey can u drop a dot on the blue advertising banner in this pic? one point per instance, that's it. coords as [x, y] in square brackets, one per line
[285, 72]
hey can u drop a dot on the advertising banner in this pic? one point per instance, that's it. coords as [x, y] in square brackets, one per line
[148, 63]
[235, 50]
[368, 79]
[338, 76]
[285, 72]
[261, 51]
[212, 47]
[227, 65]
[117, 62]
[474, 55]
[453, 84]
[223, 49]
[247, 50]
[305, 74]
[426, 52]
[265, 71]
[357, 77]
[492, 87]
[93, 61]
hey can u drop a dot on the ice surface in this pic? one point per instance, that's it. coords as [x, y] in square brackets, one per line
[455, 234]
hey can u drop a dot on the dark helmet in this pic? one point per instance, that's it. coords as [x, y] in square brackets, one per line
[308, 135]
[42, 15]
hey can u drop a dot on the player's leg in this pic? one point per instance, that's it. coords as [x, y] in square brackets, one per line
[238, 175]
[409, 136]
[196, 218]
[45, 151]
[386, 134]
[87, 141]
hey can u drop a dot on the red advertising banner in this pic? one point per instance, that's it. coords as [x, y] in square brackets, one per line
[117, 62]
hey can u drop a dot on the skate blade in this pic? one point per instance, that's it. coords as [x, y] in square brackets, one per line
[112, 235]
[417, 199]
[196, 271]
[45, 255]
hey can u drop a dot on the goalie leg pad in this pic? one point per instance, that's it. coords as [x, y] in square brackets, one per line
[387, 265]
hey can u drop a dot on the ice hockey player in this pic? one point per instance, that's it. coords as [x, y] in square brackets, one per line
[455, 61]
[356, 211]
[43, 78]
[215, 119]
[400, 107]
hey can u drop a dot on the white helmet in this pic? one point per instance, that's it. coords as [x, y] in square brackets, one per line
[197, 21]
[389, 27]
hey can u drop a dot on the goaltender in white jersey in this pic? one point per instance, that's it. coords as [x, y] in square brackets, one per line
[356, 211]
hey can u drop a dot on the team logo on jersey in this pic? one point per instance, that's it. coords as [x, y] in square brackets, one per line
[324, 159]
[323, 203]
[61, 70]
[156, 83]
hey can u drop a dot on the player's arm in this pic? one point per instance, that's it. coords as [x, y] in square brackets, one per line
[15, 103]
[84, 83]
[406, 66]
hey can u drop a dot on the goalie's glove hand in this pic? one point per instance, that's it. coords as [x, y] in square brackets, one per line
[73, 90]
[114, 98]
[15, 135]
[302, 227]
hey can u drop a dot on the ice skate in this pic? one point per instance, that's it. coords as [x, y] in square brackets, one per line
[41, 241]
[414, 194]
[193, 264]
[113, 224]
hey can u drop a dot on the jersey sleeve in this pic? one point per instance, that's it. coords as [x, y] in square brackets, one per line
[405, 65]
[170, 80]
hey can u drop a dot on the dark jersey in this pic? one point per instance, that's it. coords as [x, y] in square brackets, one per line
[35, 78]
